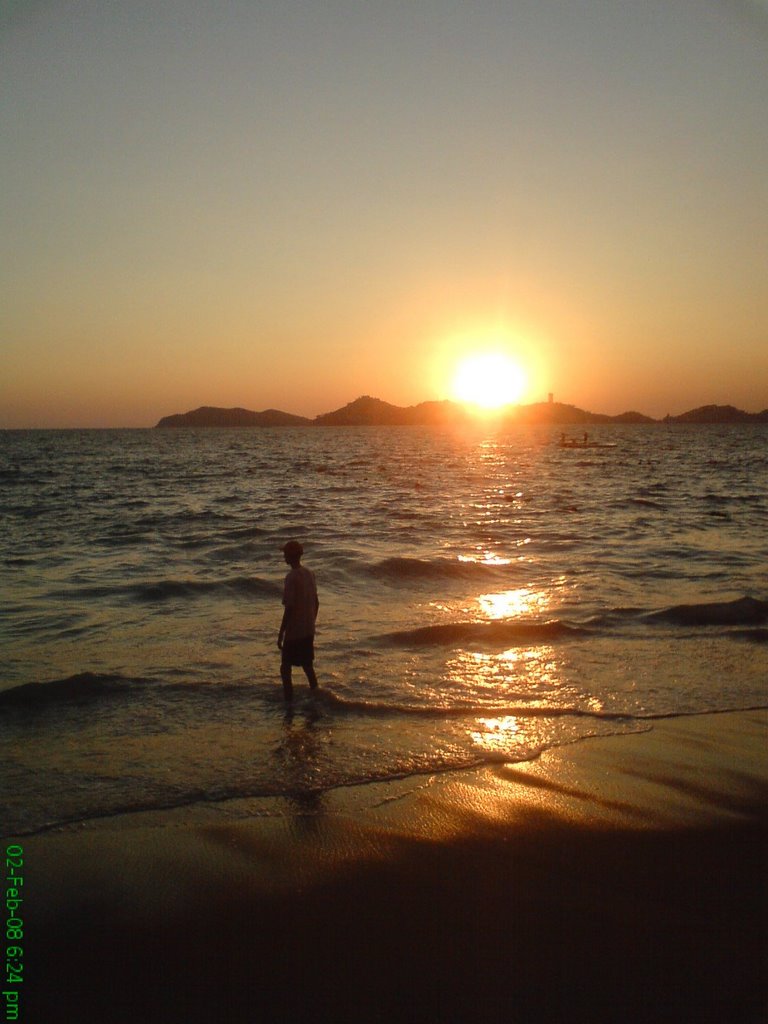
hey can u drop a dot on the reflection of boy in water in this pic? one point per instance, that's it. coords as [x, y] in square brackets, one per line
[297, 630]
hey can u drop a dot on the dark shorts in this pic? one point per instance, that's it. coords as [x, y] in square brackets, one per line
[299, 652]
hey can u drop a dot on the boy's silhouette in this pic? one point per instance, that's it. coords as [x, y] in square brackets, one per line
[297, 630]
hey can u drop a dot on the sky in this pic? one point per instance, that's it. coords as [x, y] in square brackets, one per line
[288, 204]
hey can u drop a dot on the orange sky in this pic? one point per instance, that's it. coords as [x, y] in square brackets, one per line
[291, 204]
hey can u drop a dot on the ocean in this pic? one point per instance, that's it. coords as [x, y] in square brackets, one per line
[484, 596]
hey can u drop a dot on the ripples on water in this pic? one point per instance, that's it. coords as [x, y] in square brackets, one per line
[482, 597]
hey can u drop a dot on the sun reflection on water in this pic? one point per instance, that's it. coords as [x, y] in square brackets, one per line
[496, 734]
[485, 558]
[509, 604]
[482, 555]
[524, 669]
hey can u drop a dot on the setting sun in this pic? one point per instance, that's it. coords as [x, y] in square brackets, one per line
[489, 380]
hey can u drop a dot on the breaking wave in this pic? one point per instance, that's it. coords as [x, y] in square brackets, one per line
[746, 611]
[163, 590]
[84, 686]
[450, 633]
[409, 569]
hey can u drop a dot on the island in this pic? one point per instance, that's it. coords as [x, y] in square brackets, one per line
[373, 412]
[210, 416]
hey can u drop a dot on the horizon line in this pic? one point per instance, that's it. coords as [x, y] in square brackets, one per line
[476, 412]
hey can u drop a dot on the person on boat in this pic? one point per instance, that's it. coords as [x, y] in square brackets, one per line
[296, 638]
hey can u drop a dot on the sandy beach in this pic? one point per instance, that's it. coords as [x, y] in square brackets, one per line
[620, 879]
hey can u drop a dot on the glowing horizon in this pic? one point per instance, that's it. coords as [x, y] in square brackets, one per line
[239, 206]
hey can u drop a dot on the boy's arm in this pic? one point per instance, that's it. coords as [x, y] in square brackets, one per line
[288, 601]
[283, 624]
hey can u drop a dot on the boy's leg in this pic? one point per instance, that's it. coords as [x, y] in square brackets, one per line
[285, 675]
[309, 672]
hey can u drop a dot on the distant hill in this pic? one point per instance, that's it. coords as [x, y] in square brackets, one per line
[364, 412]
[632, 417]
[718, 414]
[568, 415]
[209, 416]
[373, 412]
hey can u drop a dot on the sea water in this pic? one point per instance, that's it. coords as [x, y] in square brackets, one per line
[484, 595]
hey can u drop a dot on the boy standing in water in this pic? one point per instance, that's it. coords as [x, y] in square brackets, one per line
[297, 630]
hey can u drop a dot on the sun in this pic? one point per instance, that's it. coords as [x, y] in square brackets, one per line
[489, 380]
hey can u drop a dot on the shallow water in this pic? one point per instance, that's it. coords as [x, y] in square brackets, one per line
[483, 596]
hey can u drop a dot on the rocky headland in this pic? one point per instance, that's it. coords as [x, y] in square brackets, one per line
[373, 412]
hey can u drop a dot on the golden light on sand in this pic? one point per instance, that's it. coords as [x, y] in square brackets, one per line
[489, 380]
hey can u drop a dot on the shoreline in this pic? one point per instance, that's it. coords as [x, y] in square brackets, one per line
[621, 878]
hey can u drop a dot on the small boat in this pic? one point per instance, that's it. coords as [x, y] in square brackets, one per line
[576, 442]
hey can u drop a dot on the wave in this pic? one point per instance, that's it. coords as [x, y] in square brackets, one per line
[450, 633]
[648, 503]
[87, 687]
[732, 499]
[163, 590]
[753, 636]
[746, 611]
[172, 802]
[84, 686]
[345, 705]
[611, 618]
[188, 517]
[247, 585]
[439, 568]
[233, 552]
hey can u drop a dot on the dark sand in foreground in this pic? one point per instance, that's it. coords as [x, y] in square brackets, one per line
[617, 880]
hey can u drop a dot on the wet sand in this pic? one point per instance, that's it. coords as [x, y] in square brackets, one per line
[617, 880]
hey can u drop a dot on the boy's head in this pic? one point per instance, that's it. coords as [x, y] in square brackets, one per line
[293, 552]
